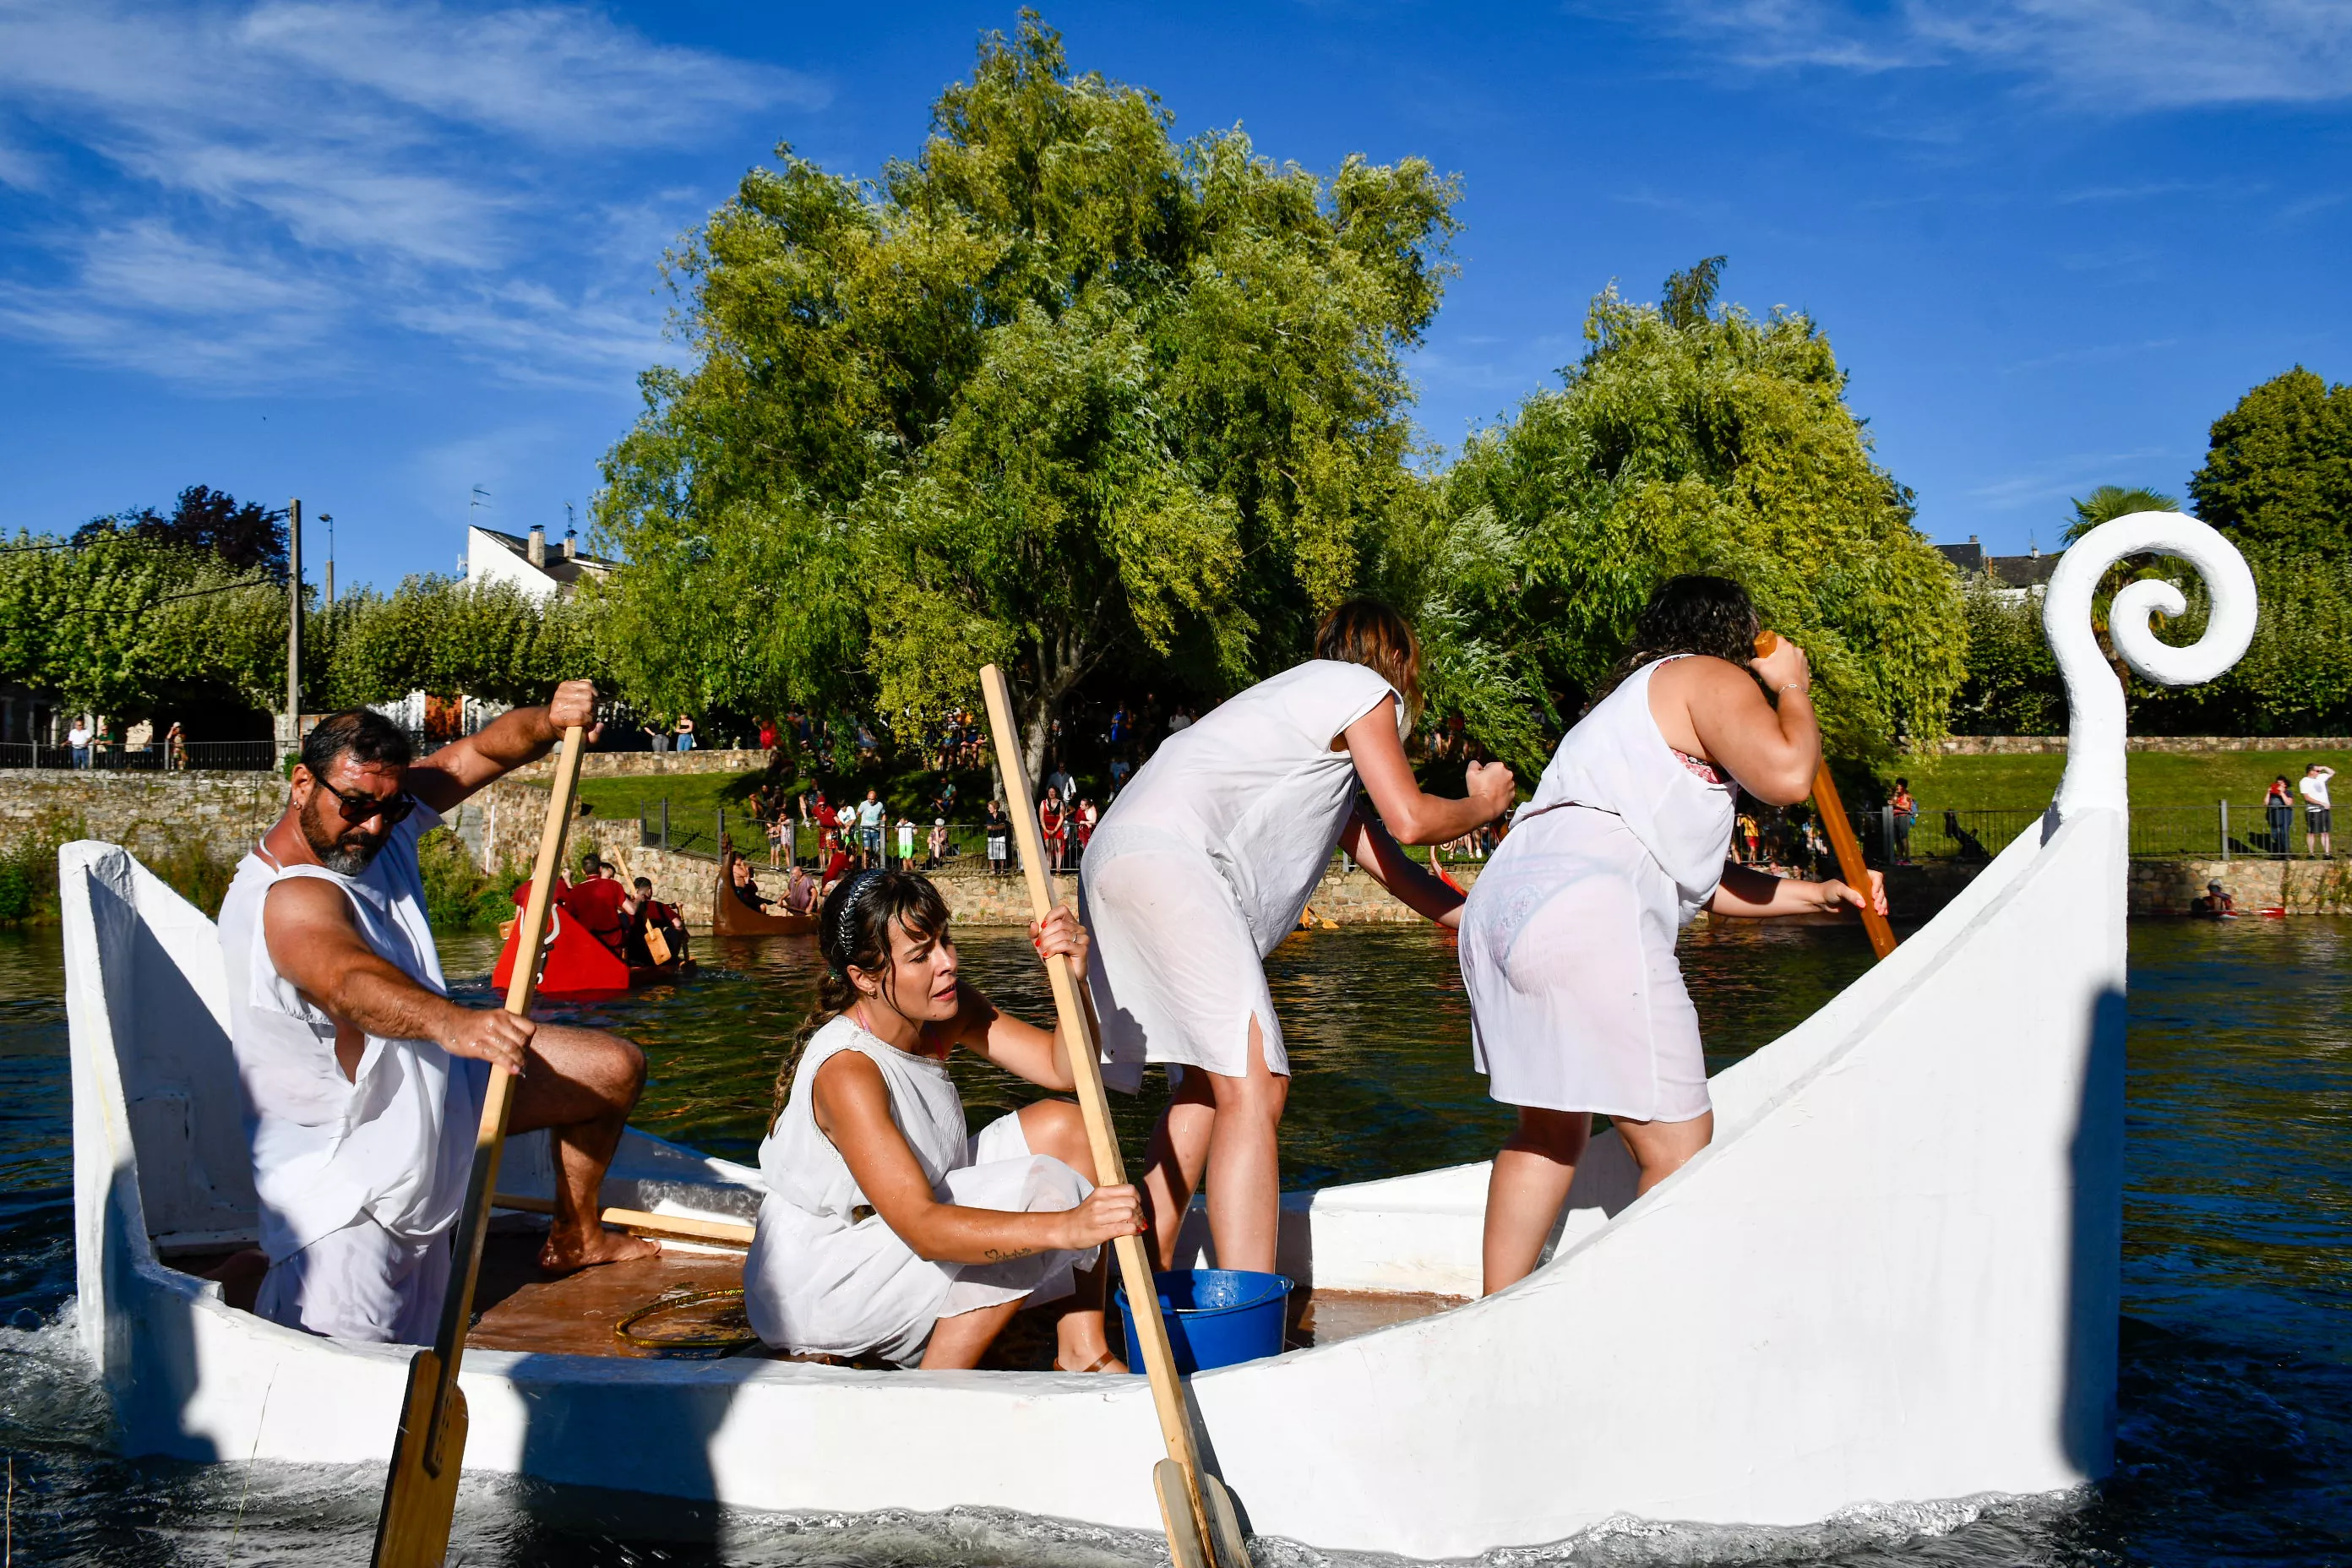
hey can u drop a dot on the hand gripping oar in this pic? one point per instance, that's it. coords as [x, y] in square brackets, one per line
[1203, 1528]
[420, 1495]
[1847, 847]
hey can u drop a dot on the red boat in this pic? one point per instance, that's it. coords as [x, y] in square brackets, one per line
[577, 966]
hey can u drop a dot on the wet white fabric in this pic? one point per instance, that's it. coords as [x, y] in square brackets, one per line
[1568, 938]
[827, 1275]
[1204, 863]
[360, 1282]
[392, 1144]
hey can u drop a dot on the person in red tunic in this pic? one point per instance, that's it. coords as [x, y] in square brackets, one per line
[596, 901]
[1049, 819]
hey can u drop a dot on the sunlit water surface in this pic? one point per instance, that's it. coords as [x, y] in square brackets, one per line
[2237, 1388]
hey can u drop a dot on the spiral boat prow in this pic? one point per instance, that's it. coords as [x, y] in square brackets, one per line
[2095, 699]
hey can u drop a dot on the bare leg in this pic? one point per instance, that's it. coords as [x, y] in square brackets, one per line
[1530, 1181]
[1178, 1154]
[583, 1083]
[1229, 1125]
[1662, 1148]
[957, 1343]
[1055, 1127]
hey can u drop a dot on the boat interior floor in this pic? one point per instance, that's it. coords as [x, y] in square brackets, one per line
[690, 1305]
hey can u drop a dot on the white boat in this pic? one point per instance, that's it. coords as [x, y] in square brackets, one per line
[1893, 1277]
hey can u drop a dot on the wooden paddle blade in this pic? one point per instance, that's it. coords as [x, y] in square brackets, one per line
[420, 1499]
[1232, 1547]
[1185, 1547]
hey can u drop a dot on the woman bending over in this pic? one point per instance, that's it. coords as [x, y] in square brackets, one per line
[1204, 862]
[885, 1229]
[1577, 1004]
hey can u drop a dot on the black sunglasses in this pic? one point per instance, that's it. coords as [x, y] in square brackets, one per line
[359, 808]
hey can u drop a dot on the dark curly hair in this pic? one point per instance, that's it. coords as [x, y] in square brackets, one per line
[853, 929]
[1692, 614]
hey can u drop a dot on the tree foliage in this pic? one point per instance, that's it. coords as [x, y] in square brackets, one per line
[1060, 392]
[2279, 470]
[435, 635]
[1702, 439]
[245, 536]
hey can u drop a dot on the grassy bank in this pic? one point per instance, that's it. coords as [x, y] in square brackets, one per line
[2159, 779]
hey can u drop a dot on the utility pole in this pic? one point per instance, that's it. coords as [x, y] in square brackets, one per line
[294, 625]
[329, 518]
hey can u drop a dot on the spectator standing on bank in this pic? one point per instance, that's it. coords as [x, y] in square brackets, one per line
[657, 736]
[176, 749]
[870, 815]
[938, 846]
[2278, 811]
[77, 742]
[999, 831]
[684, 733]
[906, 843]
[2318, 813]
[1906, 812]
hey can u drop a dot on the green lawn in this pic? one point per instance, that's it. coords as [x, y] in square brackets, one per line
[2157, 779]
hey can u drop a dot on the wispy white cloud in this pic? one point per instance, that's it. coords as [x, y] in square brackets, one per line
[2109, 55]
[2080, 473]
[245, 180]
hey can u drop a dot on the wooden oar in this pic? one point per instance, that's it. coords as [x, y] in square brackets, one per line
[420, 1495]
[1203, 1528]
[1851, 869]
[643, 1222]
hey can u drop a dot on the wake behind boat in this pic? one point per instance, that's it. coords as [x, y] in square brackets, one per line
[1893, 1276]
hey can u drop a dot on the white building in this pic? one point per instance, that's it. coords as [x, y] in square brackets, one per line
[529, 564]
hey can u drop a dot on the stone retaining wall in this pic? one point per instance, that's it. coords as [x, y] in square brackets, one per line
[147, 813]
[2034, 745]
[628, 764]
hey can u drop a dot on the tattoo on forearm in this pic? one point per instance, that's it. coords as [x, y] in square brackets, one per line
[1005, 1254]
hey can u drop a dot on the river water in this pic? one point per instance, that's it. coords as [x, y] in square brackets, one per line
[2236, 1441]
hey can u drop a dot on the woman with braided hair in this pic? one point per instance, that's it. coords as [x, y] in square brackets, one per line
[885, 1229]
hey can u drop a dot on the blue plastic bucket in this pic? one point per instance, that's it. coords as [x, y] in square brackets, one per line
[1215, 1317]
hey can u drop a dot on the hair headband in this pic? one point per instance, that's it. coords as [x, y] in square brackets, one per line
[845, 922]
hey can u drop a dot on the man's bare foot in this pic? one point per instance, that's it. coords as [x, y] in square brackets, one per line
[565, 1256]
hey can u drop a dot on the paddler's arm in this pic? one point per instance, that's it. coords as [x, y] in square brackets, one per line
[513, 739]
[1024, 1049]
[852, 1105]
[1411, 817]
[1750, 894]
[307, 924]
[1415, 886]
[1711, 708]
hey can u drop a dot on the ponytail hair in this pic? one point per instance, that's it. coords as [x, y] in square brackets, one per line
[853, 931]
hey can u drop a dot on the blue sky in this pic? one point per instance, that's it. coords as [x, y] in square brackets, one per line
[378, 254]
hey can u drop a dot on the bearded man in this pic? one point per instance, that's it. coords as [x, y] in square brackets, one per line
[364, 1083]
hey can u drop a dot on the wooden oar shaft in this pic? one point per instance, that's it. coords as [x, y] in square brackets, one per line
[643, 1222]
[1093, 1106]
[498, 1101]
[1850, 864]
[420, 1491]
[1851, 869]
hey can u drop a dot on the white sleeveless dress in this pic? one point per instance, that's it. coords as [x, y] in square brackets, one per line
[1568, 939]
[359, 1179]
[826, 1274]
[1204, 862]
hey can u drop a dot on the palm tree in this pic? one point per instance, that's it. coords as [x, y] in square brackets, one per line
[2110, 501]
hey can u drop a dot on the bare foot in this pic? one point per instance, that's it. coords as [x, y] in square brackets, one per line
[601, 1245]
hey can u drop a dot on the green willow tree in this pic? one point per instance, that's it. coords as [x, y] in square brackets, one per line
[1061, 391]
[1691, 438]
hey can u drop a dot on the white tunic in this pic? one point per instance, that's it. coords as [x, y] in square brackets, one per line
[1205, 862]
[827, 1275]
[1568, 939]
[394, 1143]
